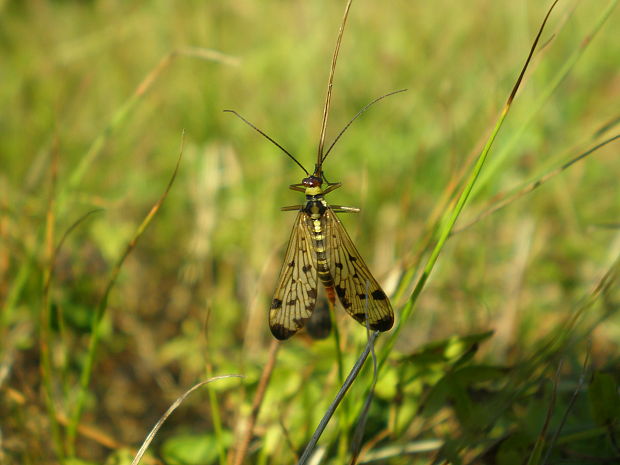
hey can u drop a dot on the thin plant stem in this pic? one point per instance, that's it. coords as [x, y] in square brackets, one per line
[344, 417]
[244, 444]
[213, 399]
[338, 399]
[45, 366]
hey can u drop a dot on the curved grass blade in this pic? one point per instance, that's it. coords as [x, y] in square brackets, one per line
[450, 219]
[149, 438]
[102, 306]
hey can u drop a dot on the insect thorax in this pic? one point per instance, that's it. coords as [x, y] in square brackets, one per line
[315, 206]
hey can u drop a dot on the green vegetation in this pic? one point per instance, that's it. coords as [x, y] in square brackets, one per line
[111, 308]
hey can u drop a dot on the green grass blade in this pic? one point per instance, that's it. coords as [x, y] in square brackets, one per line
[495, 164]
[450, 219]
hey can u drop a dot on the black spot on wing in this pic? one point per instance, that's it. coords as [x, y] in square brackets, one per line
[340, 291]
[383, 324]
[342, 295]
[379, 295]
[276, 303]
[281, 332]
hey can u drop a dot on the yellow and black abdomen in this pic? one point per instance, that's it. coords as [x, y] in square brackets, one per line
[315, 209]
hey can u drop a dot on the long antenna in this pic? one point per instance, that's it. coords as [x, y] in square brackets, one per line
[268, 138]
[359, 113]
[330, 84]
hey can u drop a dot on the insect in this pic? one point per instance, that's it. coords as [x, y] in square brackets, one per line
[320, 249]
[319, 325]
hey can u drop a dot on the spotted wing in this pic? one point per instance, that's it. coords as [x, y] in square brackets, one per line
[358, 291]
[295, 296]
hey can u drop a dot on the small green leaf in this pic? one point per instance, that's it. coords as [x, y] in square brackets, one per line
[190, 449]
[447, 350]
[604, 399]
[77, 461]
[121, 457]
[512, 450]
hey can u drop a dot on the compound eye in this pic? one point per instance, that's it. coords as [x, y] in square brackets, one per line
[312, 181]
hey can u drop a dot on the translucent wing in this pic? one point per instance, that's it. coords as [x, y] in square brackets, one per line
[319, 325]
[295, 296]
[358, 291]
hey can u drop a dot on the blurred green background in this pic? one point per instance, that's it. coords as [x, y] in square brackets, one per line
[196, 289]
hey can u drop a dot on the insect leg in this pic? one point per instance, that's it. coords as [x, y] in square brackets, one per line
[341, 209]
[291, 208]
[331, 187]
